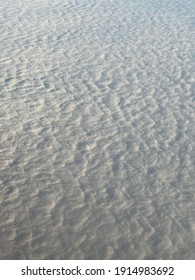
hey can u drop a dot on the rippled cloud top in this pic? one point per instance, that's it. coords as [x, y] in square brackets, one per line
[97, 129]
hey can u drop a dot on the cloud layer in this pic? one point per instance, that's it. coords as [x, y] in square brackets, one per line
[97, 129]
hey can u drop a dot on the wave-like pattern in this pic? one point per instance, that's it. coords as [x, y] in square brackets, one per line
[97, 129]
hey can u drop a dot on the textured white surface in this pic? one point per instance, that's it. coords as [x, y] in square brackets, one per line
[97, 129]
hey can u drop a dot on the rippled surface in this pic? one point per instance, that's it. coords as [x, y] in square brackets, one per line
[97, 129]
